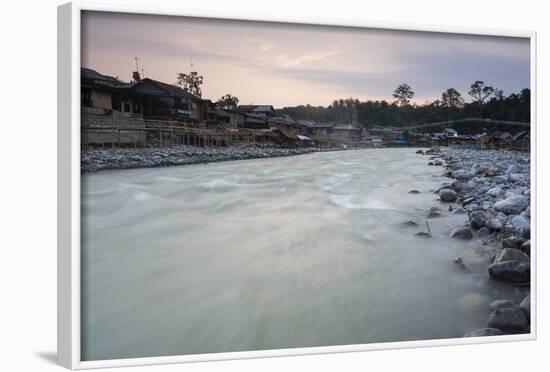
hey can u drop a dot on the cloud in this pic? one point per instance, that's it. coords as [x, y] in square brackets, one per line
[286, 64]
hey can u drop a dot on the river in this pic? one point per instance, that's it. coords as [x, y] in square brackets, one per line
[288, 252]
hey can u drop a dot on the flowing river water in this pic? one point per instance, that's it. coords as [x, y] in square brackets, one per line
[275, 253]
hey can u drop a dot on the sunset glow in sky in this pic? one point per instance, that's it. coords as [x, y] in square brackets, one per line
[288, 65]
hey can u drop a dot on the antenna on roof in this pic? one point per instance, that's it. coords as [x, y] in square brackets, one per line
[135, 75]
[142, 73]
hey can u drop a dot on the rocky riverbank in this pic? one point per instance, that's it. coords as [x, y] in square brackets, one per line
[493, 188]
[102, 159]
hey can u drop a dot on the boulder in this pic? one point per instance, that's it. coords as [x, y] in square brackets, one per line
[447, 195]
[463, 175]
[522, 226]
[525, 306]
[514, 271]
[484, 232]
[513, 242]
[494, 224]
[478, 219]
[414, 192]
[500, 304]
[433, 150]
[501, 179]
[509, 254]
[456, 186]
[423, 234]
[495, 191]
[433, 214]
[508, 319]
[512, 205]
[420, 152]
[462, 232]
[484, 332]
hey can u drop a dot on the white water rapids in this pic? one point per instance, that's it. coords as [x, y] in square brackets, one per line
[274, 253]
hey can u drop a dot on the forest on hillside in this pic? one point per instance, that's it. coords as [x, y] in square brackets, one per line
[486, 102]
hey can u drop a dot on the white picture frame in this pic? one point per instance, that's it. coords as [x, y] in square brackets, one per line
[69, 185]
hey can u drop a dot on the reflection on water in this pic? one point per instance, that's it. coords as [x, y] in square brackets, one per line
[273, 253]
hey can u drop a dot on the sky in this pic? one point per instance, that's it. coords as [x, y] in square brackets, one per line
[289, 64]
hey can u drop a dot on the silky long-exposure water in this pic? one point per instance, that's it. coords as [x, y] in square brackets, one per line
[289, 252]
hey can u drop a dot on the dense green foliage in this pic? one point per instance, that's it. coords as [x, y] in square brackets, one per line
[451, 105]
[190, 83]
[228, 102]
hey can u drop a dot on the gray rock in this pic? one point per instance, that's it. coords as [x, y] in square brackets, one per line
[508, 319]
[462, 232]
[414, 192]
[512, 205]
[501, 179]
[525, 306]
[513, 242]
[500, 304]
[456, 186]
[522, 226]
[433, 150]
[494, 224]
[509, 254]
[433, 214]
[511, 271]
[423, 234]
[447, 195]
[484, 332]
[478, 219]
[484, 232]
[420, 152]
[495, 191]
[463, 175]
[409, 223]
[516, 178]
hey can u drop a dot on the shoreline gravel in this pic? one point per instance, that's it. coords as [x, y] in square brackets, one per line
[108, 159]
[493, 188]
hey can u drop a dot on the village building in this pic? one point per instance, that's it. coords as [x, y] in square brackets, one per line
[450, 132]
[226, 118]
[163, 101]
[290, 132]
[264, 111]
[223, 117]
[345, 133]
[111, 112]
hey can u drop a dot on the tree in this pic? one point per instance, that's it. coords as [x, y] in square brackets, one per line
[480, 92]
[228, 102]
[191, 83]
[499, 94]
[403, 94]
[452, 98]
